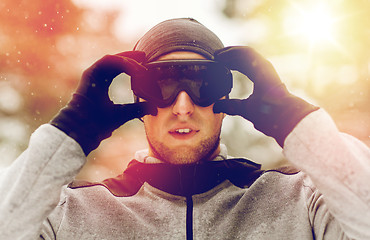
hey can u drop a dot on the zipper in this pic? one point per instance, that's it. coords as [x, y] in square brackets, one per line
[189, 218]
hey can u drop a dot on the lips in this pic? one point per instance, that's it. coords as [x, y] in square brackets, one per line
[183, 132]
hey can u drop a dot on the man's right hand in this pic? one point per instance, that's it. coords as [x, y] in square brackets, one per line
[91, 116]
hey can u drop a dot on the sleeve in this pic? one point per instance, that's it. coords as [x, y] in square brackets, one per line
[339, 166]
[30, 188]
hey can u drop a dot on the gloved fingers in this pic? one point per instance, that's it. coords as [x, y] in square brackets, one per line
[135, 60]
[108, 67]
[138, 56]
[238, 58]
[126, 112]
[96, 79]
[144, 108]
[249, 62]
[229, 106]
[133, 66]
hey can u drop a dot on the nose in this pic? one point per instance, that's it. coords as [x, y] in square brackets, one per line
[183, 105]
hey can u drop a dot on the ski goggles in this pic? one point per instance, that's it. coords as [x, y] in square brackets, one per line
[205, 81]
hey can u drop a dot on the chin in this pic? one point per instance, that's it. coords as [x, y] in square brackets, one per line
[184, 155]
[190, 155]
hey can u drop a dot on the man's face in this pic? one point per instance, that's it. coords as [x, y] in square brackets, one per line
[183, 133]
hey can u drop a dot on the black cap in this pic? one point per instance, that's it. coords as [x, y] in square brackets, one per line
[179, 34]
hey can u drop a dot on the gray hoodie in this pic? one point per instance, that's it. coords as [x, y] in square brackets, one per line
[328, 199]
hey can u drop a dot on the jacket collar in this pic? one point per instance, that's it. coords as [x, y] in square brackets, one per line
[143, 155]
[183, 180]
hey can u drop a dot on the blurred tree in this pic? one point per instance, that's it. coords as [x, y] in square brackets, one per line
[29, 32]
[334, 73]
[45, 46]
[30, 54]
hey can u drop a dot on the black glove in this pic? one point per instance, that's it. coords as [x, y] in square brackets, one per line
[271, 108]
[91, 116]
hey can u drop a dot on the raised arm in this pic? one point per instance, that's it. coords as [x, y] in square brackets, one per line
[30, 188]
[338, 164]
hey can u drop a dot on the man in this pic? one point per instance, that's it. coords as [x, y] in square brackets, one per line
[185, 185]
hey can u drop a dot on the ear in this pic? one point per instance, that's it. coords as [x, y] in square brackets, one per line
[137, 99]
[224, 114]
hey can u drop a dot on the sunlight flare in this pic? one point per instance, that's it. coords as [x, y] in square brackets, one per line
[315, 24]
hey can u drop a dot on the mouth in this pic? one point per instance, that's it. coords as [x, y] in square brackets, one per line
[183, 130]
[183, 133]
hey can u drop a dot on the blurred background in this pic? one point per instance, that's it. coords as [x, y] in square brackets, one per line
[320, 49]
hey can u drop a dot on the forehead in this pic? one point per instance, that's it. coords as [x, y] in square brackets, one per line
[181, 55]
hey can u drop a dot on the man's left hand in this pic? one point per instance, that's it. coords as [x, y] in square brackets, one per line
[271, 108]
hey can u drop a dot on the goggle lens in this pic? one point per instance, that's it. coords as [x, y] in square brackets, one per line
[205, 81]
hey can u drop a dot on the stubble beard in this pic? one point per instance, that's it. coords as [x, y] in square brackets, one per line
[185, 154]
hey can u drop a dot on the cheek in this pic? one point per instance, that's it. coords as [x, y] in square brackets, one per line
[218, 120]
[148, 123]
[213, 119]
[153, 123]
